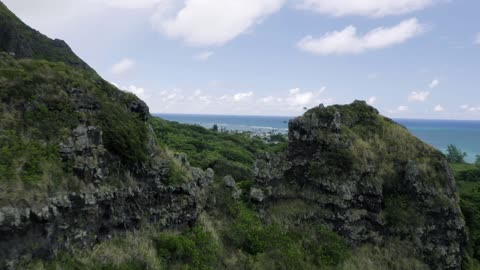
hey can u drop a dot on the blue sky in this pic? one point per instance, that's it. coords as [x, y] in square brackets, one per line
[408, 58]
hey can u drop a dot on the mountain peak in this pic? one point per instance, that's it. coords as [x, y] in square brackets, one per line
[21, 41]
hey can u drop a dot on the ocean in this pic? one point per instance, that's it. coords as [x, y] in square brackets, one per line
[438, 133]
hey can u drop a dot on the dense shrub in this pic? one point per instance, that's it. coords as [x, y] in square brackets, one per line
[25, 160]
[124, 134]
[469, 190]
[284, 248]
[455, 155]
[472, 175]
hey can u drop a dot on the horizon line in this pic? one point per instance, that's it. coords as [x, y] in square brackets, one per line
[293, 116]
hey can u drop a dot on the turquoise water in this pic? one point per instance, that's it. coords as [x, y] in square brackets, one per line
[438, 133]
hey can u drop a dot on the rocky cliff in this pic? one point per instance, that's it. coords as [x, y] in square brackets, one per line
[78, 157]
[369, 179]
[80, 164]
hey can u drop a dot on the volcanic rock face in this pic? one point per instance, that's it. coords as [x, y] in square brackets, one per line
[369, 180]
[110, 176]
[82, 220]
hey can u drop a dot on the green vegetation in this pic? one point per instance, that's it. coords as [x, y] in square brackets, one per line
[195, 249]
[147, 249]
[399, 211]
[124, 133]
[227, 153]
[47, 91]
[38, 100]
[468, 181]
[26, 161]
[40, 105]
[393, 255]
[250, 242]
[455, 155]
[18, 38]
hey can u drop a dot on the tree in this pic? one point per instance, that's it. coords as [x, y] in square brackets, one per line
[215, 127]
[455, 155]
[477, 161]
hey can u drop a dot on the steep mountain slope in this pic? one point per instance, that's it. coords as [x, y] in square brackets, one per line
[22, 41]
[78, 157]
[83, 164]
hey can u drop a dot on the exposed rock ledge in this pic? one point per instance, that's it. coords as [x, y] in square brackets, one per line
[81, 220]
[369, 179]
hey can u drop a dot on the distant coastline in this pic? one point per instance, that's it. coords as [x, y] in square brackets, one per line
[464, 134]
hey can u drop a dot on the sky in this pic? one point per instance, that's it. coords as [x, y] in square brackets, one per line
[408, 58]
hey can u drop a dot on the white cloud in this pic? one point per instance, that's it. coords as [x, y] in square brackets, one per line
[370, 8]
[242, 96]
[196, 22]
[212, 22]
[371, 100]
[419, 96]
[197, 92]
[123, 66]
[289, 102]
[439, 108]
[402, 108]
[138, 91]
[399, 109]
[477, 39]
[268, 99]
[131, 4]
[434, 83]
[474, 109]
[299, 99]
[204, 56]
[135, 90]
[348, 41]
[470, 108]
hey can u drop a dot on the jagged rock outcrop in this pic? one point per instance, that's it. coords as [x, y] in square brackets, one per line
[83, 162]
[370, 180]
[85, 150]
[120, 195]
[82, 220]
[359, 173]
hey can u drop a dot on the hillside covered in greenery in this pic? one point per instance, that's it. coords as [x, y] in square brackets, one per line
[90, 180]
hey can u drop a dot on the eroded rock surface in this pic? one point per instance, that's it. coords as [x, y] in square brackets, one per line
[370, 180]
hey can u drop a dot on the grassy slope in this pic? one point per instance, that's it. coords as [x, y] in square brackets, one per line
[37, 113]
[226, 153]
